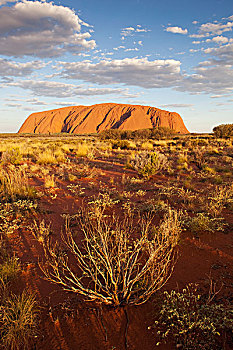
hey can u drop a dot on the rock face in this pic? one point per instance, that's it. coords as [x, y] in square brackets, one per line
[96, 118]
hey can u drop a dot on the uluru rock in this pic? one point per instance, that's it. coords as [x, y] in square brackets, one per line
[96, 118]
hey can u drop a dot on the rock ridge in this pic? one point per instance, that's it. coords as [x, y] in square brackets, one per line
[99, 117]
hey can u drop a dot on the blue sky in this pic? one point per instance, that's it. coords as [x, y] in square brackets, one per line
[174, 55]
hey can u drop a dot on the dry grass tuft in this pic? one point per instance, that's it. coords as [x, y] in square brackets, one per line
[18, 321]
[14, 184]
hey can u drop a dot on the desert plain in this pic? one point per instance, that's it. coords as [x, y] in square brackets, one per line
[116, 240]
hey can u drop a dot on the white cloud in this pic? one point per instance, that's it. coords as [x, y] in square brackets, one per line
[220, 39]
[36, 102]
[215, 28]
[134, 49]
[197, 36]
[119, 47]
[212, 77]
[33, 101]
[130, 31]
[177, 30]
[196, 42]
[3, 2]
[177, 105]
[17, 69]
[65, 104]
[128, 71]
[224, 52]
[63, 90]
[41, 29]
[13, 105]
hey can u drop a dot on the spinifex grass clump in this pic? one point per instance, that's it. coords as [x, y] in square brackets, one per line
[9, 269]
[18, 320]
[118, 261]
[12, 156]
[14, 184]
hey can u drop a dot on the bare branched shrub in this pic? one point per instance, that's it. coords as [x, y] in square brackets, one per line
[149, 163]
[117, 261]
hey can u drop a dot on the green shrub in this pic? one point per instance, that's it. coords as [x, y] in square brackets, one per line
[111, 134]
[223, 130]
[203, 222]
[122, 144]
[149, 163]
[152, 133]
[192, 322]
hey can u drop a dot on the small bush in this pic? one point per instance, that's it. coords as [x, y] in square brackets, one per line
[191, 322]
[122, 144]
[111, 134]
[147, 145]
[202, 223]
[149, 163]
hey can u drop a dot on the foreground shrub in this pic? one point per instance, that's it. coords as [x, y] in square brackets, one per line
[149, 163]
[119, 261]
[190, 321]
[18, 316]
[224, 130]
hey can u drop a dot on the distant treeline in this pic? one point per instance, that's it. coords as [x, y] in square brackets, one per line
[223, 130]
[153, 133]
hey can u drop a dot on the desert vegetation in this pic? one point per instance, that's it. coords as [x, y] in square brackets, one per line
[107, 239]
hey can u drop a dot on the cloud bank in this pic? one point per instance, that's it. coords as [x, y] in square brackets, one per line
[63, 90]
[128, 71]
[10, 68]
[41, 29]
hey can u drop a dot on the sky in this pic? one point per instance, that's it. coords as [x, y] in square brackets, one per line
[173, 55]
